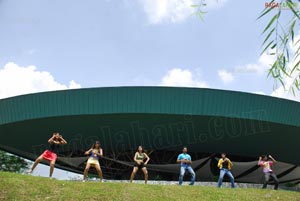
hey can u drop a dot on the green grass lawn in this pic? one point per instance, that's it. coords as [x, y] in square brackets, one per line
[26, 187]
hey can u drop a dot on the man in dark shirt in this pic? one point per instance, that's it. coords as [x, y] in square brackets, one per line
[225, 166]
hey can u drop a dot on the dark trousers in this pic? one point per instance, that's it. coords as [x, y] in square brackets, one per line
[267, 178]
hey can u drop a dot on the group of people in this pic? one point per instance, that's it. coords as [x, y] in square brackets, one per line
[225, 165]
[185, 160]
[141, 160]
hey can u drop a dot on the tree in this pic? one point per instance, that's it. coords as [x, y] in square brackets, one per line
[279, 37]
[280, 42]
[12, 163]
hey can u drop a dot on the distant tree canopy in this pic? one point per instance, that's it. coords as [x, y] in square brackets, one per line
[12, 163]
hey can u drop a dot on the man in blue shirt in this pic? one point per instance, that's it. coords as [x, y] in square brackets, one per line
[185, 161]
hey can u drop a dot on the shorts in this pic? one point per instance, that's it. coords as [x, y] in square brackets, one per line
[139, 166]
[50, 156]
[93, 161]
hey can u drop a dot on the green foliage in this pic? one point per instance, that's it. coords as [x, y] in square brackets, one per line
[12, 163]
[278, 34]
[200, 9]
[291, 185]
[277, 37]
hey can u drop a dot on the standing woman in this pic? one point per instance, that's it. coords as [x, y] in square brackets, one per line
[50, 154]
[95, 152]
[139, 163]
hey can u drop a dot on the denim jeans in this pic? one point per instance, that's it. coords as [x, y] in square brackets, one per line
[190, 170]
[224, 171]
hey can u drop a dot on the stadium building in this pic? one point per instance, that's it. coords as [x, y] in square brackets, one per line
[162, 120]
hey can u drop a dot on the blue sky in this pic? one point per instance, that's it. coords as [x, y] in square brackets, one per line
[64, 44]
[132, 42]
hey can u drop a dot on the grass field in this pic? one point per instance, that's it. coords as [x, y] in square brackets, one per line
[25, 187]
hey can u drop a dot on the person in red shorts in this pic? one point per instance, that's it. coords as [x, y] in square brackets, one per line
[50, 154]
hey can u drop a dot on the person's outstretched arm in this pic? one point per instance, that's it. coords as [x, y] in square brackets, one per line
[88, 152]
[51, 140]
[220, 163]
[179, 160]
[63, 141]
[134, 158]
[259, 160]
[272, 159]
[190, 160]
[100, 152]
[147, 157]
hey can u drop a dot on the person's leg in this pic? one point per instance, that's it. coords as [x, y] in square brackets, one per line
[144, 169]
[182, 171]
[135, 169]
[98, 168]
[86, 170]
[191, 171]
[52, 163]
[36, 162]
[275, 181]
[231, 178]
[267, 177]
[222, 173]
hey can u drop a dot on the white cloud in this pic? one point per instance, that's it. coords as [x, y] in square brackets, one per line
[166, 11]
[182, 78]
[17, 80]
[259, 92]
[261, 67]
[73, 85]
[281, 92]
[225, 75]
[284, 92]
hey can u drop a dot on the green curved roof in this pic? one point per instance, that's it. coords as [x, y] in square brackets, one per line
[159, 118]
[152, 100]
